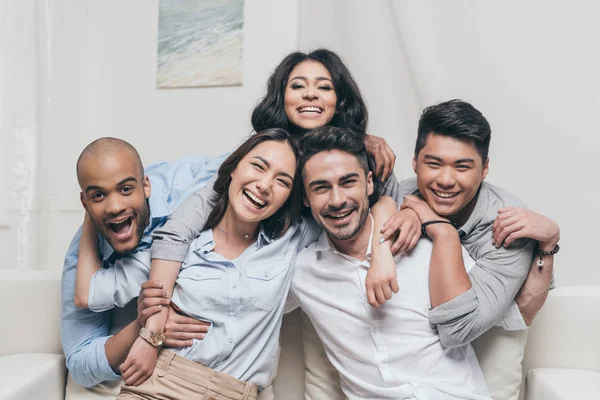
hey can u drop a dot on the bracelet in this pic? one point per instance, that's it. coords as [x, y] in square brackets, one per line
[437, 221]
[542, 254]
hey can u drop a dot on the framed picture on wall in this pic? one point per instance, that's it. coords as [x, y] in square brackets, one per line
[200, 43]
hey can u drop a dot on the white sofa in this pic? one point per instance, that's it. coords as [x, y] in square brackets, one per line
[562, 356]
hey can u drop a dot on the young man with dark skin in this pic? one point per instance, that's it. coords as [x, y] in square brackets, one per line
[457, 207]
[123, 204]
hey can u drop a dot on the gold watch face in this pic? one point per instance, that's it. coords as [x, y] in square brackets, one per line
[157, 338]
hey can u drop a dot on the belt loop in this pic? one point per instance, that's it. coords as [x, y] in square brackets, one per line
[247, 390]
[164, 368]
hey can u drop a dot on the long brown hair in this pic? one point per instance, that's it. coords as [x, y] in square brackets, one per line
[289, 212]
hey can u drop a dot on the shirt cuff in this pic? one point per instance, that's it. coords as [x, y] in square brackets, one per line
[105, 370]
[452, 309]
[170, 251]
[102, 291]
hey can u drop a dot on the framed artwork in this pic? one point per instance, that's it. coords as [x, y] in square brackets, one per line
[200, 43]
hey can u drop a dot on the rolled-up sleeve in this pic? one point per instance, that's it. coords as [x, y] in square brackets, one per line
[117, 284]
[172, 240]
[496, 279]
[83, 332]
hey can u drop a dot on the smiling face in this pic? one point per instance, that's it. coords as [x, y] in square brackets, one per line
[449, 173]
[337, 192]
[261, 183]
[310, 99]
[114, 193]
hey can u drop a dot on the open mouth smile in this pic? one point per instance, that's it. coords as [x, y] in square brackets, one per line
[310, 109]
[254, 200]
[121, 227]
[445, 195]
[340, 217]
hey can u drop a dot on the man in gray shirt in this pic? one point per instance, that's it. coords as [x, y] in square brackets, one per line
[457, 207]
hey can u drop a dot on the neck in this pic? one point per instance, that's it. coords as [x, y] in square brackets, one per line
[235, 228]
[358, 244]
[461, 217]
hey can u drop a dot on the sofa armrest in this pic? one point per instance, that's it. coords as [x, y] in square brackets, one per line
[565, 332]
[30, 310]
[32, 377]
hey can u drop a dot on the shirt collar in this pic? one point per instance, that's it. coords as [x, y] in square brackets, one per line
[205, 242]
[323, 243]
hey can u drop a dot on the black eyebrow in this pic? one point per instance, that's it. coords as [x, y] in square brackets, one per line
[129, 178]
[319, 78]
[349, 176]
[342, 179]
[465, 160]
[269, 166]
[429, 156]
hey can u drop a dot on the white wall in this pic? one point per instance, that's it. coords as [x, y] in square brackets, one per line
[100, 80]
[530, 66]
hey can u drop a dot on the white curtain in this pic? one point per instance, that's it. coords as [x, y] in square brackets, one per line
[24, 105]
[530, 66]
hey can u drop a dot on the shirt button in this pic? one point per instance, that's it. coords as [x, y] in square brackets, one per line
[230, 340]
[267, 274]
[234, 285]
[198, 275]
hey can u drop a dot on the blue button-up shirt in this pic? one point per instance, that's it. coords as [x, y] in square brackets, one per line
[84, 332]
[243, 299]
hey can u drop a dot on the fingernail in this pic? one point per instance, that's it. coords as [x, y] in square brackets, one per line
[493, 242]
[381, 240]
[159, 307]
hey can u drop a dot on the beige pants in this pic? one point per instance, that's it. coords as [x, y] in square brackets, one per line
[176, 378]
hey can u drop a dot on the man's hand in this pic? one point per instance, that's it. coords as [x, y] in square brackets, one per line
[384, 156]
[151, 300]
[140, 362]
[406, 226]
[515, 223]
[420, 207]
[181, 329]
[381, 277]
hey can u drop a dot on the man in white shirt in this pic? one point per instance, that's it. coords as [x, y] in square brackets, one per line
[391, 352]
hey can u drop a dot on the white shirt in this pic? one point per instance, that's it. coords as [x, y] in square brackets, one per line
[393, 352]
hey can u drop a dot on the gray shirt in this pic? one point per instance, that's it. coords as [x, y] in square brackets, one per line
[497, 276]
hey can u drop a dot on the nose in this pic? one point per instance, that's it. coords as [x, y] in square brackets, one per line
[337, 198]
[115, 205]
[445, 179]
[310, 93]
[264, 185]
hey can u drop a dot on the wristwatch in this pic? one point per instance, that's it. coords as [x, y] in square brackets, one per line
[155, 338]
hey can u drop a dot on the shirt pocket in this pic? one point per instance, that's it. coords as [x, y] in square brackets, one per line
[200, 287]
[265, 284]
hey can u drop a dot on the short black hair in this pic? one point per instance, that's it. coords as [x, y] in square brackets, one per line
[458, 119]
[326, 138]
[350, 110]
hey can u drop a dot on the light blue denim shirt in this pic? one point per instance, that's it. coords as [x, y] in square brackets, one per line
[84, 332]
[243, 299]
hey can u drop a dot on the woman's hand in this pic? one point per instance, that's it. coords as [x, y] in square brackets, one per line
[406, 227]
[140, 363]
[384, 156]
[515, 223]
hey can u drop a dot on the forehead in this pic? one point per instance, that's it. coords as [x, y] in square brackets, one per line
[450, 148]
[310, 69]
[278, 154]
[108, 169]
[331, 166]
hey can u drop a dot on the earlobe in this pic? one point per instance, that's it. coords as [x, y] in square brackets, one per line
[414, 162]
[305, 201]
[147, 187]
[82, 199]
[486, 168]
[370, 186]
